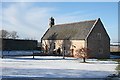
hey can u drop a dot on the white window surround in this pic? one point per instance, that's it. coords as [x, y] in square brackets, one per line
[99, 36]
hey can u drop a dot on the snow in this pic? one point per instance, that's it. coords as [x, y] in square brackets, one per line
[114, 57]
[56, 67]
[11, 53]
[30, 52]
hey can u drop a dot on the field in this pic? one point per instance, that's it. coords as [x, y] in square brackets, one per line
[56, 67]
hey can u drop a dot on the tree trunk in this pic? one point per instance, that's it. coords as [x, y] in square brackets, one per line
[84, 59]
[2, 54]
[63, 55]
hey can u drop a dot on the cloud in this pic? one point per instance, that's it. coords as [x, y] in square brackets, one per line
[32, 21]
[27, 20]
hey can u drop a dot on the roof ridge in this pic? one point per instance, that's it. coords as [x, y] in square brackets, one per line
[75, 22]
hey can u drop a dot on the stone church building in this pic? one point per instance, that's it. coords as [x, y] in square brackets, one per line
[68, 38]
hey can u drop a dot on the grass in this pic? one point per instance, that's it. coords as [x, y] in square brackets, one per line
[104, 59]
[118, 66]
[118, 62]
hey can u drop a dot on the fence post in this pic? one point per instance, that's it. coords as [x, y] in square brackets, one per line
[2, 54]
[33, 54]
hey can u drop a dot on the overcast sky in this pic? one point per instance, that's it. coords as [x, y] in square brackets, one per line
[30, 19]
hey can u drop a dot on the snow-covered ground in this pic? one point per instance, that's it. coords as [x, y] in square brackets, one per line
[30, 52]
[11, 53]
[56, 67]
[114, 57]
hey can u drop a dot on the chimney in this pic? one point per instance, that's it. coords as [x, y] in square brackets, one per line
[51, 23]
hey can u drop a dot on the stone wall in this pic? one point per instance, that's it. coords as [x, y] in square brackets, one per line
[98, 42]
[18, 44]
[68, 44]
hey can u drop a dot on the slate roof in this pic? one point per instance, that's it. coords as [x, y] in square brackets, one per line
[71, 31]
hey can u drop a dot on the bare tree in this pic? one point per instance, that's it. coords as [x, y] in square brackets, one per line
[82, 53]
[14, 35]
[4, 34]
[7, 34]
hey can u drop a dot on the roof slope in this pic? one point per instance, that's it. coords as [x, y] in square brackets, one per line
[71, 31]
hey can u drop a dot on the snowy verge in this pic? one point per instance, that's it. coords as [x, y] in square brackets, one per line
[56, 67]
[12, 53]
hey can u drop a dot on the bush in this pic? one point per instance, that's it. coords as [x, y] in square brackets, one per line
[118, 67]
[82, 53]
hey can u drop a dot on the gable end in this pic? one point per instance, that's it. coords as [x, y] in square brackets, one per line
[92, 28]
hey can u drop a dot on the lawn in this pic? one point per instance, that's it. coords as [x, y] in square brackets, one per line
[56, 67]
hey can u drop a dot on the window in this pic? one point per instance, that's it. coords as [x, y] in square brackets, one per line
[99, 36]
[100, 50]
